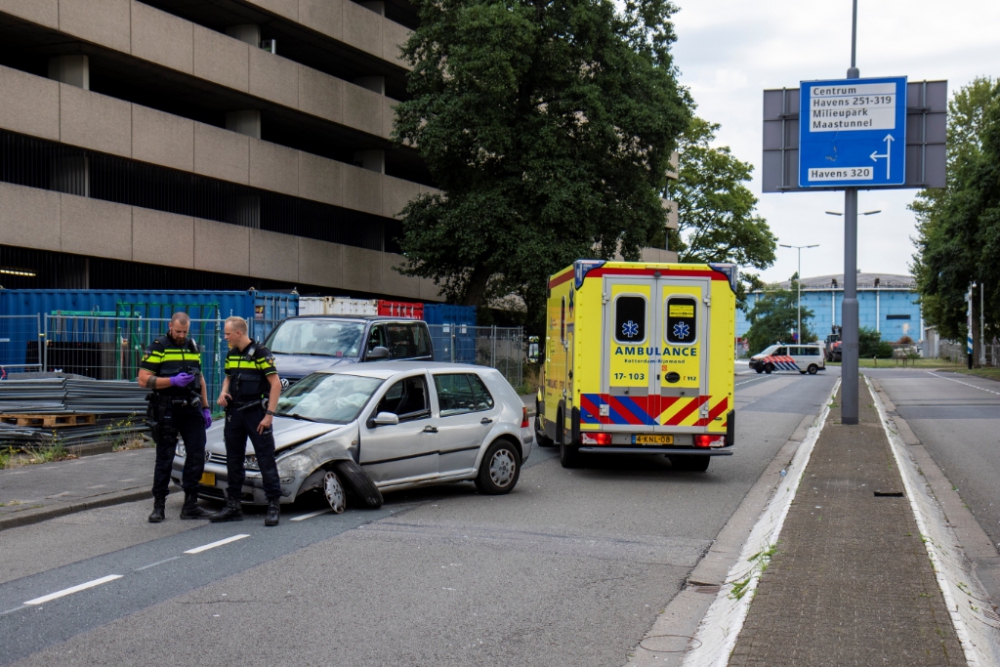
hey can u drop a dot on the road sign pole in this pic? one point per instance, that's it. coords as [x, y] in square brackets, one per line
[849, 337]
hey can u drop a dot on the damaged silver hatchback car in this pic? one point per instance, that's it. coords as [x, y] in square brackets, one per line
[385, 426]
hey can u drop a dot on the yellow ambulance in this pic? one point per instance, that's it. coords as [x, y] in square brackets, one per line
[639, 359]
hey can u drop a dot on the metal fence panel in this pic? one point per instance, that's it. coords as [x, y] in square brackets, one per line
[502, 348]
[110, 348]
[19, 339]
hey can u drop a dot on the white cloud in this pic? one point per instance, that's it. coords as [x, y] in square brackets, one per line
[729, 51]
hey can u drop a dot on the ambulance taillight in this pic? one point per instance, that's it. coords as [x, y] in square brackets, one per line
[596, 438]
[706, 441]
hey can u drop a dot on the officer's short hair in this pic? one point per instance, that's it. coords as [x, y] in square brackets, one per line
[180, 318]
[238, 323]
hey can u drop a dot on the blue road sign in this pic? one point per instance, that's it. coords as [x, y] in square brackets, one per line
[852, 133]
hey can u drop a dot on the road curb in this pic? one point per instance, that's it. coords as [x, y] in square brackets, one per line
[29, 517]
[955, 542]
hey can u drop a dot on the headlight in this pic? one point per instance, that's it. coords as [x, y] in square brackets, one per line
[250, 463]
[180, 451]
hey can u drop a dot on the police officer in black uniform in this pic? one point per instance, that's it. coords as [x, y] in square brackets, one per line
[250, 395]
[171, 369]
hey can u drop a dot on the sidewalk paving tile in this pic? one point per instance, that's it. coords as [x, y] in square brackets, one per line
[851, 582]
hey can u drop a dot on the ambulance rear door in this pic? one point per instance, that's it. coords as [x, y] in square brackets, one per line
[627, 401]
[682, 332]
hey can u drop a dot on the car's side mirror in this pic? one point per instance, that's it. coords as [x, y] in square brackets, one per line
[377, 353]
[383, 419]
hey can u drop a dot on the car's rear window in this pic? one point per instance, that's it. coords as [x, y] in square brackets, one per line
[459, 393]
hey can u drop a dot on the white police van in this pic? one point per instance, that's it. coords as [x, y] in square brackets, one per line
[807, 358]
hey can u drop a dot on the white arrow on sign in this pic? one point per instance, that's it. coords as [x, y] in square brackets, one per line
[888, 152]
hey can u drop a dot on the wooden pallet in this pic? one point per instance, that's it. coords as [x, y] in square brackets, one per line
[48, 421]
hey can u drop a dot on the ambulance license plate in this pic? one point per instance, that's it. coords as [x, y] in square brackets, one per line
[652, 439]
[207, 479]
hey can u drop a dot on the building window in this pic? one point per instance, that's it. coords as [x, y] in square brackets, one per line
[897, 317]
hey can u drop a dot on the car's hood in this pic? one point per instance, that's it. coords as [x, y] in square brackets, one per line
[287, 433]
[295, 366]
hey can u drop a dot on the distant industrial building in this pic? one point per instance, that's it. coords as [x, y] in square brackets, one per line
[887, 303]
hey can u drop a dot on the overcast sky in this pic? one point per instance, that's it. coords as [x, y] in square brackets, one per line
[730, 51]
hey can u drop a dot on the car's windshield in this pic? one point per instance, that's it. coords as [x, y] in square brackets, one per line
[333, 398]
[324, 338]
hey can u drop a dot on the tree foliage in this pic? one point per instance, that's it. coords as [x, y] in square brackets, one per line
[548, 127]
[958, 228]
[718, 221]
[773, 316]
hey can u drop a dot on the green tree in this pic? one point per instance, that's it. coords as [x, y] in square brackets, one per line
[773, 316]
[958, 228]
[548, 128]
[718, 221]
[870, 344]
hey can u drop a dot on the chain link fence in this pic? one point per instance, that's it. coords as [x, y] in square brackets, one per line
[502, 348]
[110, 348]
[19, 340]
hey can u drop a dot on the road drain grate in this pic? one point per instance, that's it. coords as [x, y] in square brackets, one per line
[888, 494]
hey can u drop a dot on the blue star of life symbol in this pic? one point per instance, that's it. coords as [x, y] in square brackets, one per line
[630, 329]
[681, 330]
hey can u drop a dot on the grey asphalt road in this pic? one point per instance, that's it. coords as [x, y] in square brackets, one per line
[572, 567]
[957, 418]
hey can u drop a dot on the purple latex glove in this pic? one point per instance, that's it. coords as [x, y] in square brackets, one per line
[181, 380]
[208, 417]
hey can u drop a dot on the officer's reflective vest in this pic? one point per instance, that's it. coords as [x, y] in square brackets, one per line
[166, 359]
[248, 371]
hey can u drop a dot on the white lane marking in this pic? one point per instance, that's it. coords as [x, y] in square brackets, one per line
[206, 547]
[159, 562]
[11, 611]
[309, 516]
[749, 381]
[989, 391]
[73, 589]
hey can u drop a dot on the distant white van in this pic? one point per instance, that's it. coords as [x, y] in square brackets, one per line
[784, 357]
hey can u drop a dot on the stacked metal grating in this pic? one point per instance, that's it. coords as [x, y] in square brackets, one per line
[118, 405]
[72, 394]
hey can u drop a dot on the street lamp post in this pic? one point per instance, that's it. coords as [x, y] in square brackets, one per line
[798, 329]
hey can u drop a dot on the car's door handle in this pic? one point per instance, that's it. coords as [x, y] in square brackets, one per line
[485, 420]
[430, 429]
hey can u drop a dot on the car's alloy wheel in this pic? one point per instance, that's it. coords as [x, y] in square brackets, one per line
[334, 492]
[502, 467]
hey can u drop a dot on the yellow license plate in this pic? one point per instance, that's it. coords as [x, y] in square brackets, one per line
[652, 439]
[207, 479]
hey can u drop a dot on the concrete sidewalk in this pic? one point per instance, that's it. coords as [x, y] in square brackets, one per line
[34, 493]
[851, 582]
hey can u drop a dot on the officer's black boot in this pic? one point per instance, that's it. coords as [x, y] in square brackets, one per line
[273, 512]
[191, 510]
[159, 503]
[233, 511]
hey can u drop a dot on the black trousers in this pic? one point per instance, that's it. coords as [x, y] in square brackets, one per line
[189, 424]
[240, 425]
